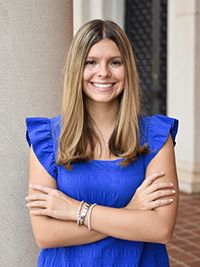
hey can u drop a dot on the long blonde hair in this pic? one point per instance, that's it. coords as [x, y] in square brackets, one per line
[77, 140]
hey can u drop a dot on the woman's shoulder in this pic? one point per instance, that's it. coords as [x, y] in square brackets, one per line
[157, 128]
[35, 122]
[43, 128]
[155, 131]
[43, 135]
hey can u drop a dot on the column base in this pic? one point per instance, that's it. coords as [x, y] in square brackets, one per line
[189, 177]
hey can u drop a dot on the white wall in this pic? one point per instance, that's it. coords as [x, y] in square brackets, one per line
[86, 10]
[35, 36]
[183, 87]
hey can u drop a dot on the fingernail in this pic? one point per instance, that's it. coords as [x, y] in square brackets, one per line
[171, 200]
[30, 185]
[27, 205]
[173, 191]
[171, 184]
[26, 198]
[162, 172]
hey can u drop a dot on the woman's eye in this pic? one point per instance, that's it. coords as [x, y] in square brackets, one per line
[90, 63]
[116, 63]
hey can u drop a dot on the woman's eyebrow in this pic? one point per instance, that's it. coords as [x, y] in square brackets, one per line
[112, 57]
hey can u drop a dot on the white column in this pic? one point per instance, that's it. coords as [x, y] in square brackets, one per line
[183, 87]
[96, 9]
[35, 36]
[115, 10]
[77, 14]
[86, 10]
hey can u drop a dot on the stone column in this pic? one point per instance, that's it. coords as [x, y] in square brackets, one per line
[99, 9]
[184, 87]
[35, 36]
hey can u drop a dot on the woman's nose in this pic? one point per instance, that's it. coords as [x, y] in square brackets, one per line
[103, 71]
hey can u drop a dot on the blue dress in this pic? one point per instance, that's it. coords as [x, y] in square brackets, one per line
[105, 183]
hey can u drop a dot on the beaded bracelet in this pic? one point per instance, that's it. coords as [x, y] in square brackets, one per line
[79, 210]
[89, 216]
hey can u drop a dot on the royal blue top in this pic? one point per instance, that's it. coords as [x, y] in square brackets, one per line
[105, 183]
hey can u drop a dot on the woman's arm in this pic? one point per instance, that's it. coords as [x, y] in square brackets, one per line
[63, 231]
[51, 232]
[155, 225]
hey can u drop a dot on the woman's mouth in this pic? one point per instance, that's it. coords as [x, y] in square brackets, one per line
[103, 85]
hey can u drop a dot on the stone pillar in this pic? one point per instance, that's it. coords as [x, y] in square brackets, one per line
[115, 10]
[99, 9]
[183, 87]
[35, 36]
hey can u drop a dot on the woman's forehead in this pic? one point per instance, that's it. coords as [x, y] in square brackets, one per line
[104, 47]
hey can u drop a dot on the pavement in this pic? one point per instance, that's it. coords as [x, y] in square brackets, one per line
[184, 248]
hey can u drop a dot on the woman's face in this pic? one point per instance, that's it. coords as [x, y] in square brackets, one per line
[103, 75]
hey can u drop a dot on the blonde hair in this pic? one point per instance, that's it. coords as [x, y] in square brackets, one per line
[77, 140]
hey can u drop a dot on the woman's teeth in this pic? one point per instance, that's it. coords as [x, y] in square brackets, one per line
[103, 85]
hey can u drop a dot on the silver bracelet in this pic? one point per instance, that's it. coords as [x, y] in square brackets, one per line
[79, 210]
[89, 216]
[83, 214]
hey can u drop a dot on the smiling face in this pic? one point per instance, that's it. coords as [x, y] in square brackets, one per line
[103, 75]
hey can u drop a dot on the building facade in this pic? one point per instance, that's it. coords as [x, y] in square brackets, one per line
[35, 36]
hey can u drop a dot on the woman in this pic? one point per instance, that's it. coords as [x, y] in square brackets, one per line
[104, 152]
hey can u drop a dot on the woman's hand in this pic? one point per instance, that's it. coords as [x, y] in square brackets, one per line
[53, 203]
[149, 195]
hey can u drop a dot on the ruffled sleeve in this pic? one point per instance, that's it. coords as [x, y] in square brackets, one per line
[41, 134]
[156, 130]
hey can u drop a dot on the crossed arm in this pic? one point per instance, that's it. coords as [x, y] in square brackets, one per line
[150, 216]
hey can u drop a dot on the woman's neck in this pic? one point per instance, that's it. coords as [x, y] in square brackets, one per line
[104, 115]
